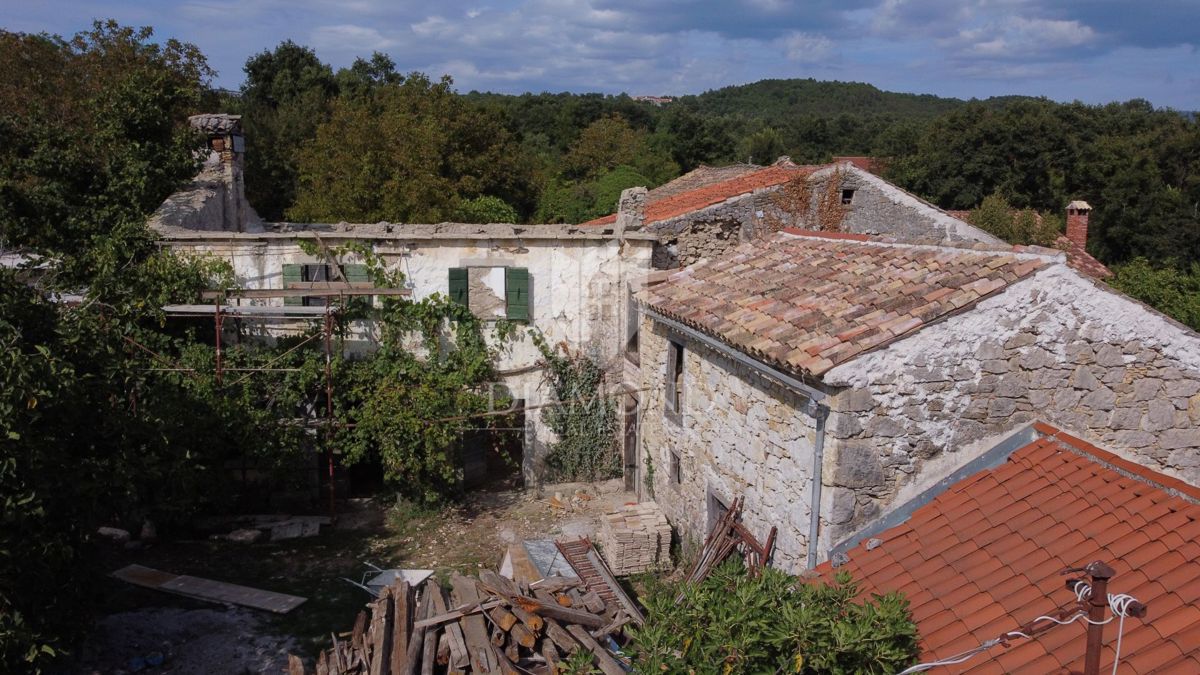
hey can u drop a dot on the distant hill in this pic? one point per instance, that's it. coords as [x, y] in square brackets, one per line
[769, 99]
[774, 99]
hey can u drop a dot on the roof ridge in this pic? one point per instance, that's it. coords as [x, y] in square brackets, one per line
[1020, 252]
[1131, 470]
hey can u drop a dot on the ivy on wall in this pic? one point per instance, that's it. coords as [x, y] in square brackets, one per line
[585, 420]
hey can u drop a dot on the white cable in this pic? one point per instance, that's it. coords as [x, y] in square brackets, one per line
[1119, 604]
[957, 658]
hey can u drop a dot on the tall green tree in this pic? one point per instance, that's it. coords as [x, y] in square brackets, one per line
[287, 95]
[98, 136]
[411, 152]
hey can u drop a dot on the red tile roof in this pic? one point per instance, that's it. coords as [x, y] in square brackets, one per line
[808, 303]
[699, 177]
[1080, 259]
[678, 204]
[984, 557]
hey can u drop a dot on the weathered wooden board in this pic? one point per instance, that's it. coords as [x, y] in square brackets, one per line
[208, 589]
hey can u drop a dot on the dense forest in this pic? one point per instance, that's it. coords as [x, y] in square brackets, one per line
[95, 430]
[436, 154]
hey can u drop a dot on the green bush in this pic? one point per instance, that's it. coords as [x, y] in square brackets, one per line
[772, 623]
[1170, 290]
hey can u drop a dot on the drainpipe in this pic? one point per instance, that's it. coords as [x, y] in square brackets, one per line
[818, 476]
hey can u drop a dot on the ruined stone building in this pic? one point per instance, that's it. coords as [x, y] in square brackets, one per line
[562, 280]
[812, 338]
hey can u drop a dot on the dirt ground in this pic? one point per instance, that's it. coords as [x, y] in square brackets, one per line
[198, 637]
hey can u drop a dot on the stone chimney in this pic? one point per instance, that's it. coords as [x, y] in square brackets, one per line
[1077, 222]
[228, 145]
[631, 210]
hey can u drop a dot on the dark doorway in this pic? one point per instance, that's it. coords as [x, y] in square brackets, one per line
[631, 442]
[493, 451]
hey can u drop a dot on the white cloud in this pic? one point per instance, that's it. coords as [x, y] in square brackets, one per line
[347, 37]
[1019, 38]
[806, 47]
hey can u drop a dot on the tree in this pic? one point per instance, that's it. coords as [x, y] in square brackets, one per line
[486, 209]
[411, 152]
[602, 146]
[1172, 291]
[762, 147]
[287, 94]
[94, 132]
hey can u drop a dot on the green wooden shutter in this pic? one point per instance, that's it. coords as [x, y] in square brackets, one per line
[292, 275]
[458, 285]
[516, 291]
[355, 273]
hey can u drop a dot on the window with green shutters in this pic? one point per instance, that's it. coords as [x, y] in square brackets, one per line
[296, 274]
[516, 293]
[358, 273]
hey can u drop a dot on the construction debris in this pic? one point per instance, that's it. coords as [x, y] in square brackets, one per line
[488, 624]
[207, 589]
[375, 579]
[728, 535]
[597, 576]
[636, 538]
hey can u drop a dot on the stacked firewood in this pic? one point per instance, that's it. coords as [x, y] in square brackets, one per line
[487, 625]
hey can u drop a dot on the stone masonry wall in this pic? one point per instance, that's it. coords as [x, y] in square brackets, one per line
[1056, 347]
[880, 208]
[877, 208]
[739, 436]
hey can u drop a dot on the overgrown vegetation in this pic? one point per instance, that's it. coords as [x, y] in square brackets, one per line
[109, 413]
[1024, 226]
[771, 623]
[584, 418]
[1170, 289]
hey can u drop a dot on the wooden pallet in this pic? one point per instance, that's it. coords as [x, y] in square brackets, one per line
[596, 575]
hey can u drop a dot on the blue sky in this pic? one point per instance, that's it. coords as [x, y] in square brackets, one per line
[1091, 50]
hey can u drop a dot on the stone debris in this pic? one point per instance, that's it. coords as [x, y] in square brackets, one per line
[636, 538]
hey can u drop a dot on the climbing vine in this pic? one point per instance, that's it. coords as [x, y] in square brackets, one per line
[584, 420]
[793, 205]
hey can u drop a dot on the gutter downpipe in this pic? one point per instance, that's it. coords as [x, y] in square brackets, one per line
[818, 411]
[818, 477]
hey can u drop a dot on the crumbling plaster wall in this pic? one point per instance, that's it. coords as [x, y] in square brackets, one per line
[739, 435]
[1057, 347]
[576, 287]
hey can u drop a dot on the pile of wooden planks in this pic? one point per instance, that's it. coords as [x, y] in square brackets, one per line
[636, 538]
[726, 536]
[489, 624]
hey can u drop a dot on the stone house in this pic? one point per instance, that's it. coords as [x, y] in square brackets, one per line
[828, 377]
[706, 212]
[557, 279]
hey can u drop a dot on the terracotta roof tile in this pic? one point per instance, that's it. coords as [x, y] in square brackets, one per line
[979, 579]
[807, 304]
[669, 204]
[1080, 259]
